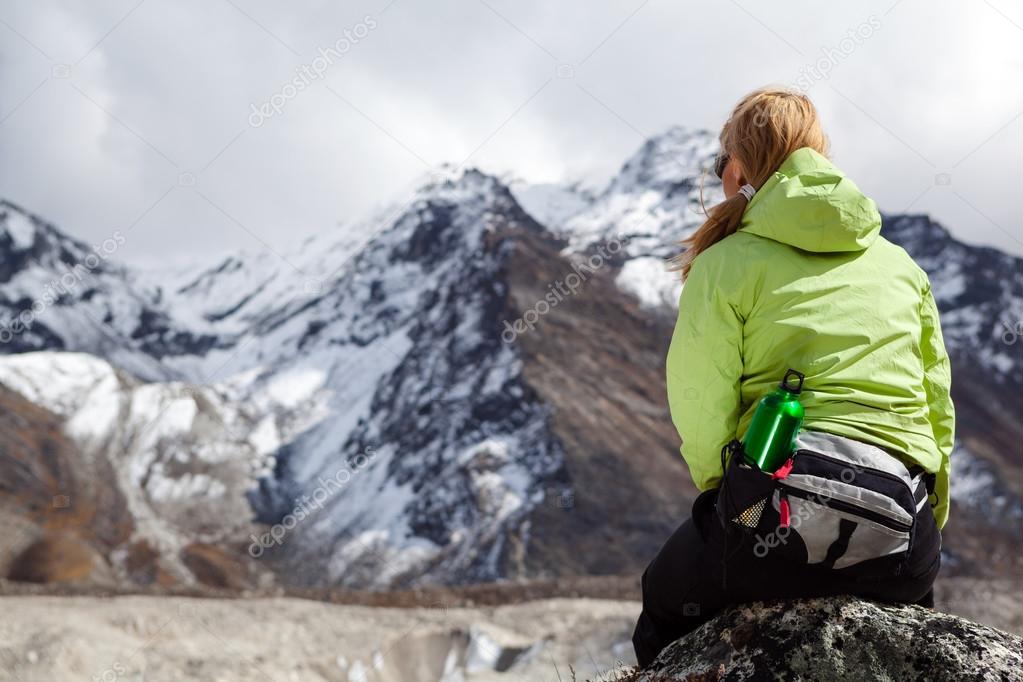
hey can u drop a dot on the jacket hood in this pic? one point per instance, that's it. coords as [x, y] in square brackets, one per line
[810, 204]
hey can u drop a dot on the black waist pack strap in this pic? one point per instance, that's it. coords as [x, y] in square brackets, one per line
[923, 484]
[841, 543]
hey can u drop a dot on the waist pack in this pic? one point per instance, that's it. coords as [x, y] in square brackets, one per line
[837, 503]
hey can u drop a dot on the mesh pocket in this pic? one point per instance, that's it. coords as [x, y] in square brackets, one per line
[743, 501]
[751, 516]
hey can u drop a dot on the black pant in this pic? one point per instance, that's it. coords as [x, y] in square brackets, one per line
[689, 581]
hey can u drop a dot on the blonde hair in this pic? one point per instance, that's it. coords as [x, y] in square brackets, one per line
[764, 128]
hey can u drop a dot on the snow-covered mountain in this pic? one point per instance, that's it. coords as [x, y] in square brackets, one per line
[407, 338]
[426, 397]
[59, 293]
[411, 323]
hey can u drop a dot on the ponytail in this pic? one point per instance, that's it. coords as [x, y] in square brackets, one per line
[722, 220]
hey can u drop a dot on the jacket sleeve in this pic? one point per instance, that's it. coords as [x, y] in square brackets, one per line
[704, 366]
[937, 385]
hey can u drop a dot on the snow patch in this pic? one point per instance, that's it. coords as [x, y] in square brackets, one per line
[21, 231]
[649, 280]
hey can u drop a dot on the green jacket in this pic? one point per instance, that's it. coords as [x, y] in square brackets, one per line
[807, 282]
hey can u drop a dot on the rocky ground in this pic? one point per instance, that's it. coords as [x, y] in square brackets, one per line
[838, 639]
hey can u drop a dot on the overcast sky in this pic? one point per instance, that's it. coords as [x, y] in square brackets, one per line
[139, 116]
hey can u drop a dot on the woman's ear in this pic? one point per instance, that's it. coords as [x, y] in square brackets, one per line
[740, 173]
[733, 178]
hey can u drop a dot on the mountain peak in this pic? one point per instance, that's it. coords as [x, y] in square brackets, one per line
[675, 157]
[452, 210]
[26, 240]
[451, 183]
[653, 202]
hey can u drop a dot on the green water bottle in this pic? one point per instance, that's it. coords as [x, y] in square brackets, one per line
[771, 435]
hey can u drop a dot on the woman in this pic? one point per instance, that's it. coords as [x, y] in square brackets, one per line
[790, 271]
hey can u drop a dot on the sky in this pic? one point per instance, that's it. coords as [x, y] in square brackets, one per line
[198, 128]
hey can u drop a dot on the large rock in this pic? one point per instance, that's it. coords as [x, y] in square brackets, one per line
[839, 638]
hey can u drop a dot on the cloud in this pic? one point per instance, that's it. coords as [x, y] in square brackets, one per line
[150, 131]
